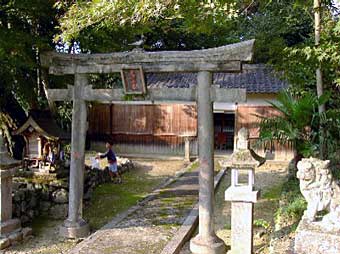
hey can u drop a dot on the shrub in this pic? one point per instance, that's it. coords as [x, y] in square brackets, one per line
[292, 204]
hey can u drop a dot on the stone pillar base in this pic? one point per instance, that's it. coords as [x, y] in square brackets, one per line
[202, 245]
[14, 235]
[242, 203]
[9, 226]
[312, 238]
[78, 230]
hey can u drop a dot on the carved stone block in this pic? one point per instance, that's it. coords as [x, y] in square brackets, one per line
[320, 191]
[312, 238]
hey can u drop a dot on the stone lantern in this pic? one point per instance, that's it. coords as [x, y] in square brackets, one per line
[242, 195]
[10, 229]
[6, 162]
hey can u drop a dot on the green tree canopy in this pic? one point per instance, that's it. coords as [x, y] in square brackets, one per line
[26, 27]
[104, 26]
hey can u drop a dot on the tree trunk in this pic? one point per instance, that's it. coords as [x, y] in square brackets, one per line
[319, 84]
[44, 81]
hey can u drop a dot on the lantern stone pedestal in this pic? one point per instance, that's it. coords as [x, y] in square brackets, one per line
[242, 195]
[7, 224]
[242, 205]
[10, 229]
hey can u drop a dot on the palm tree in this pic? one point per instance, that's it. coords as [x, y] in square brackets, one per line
[294, 123]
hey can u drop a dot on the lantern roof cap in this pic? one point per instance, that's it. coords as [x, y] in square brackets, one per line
[243, 157]
[6, 162]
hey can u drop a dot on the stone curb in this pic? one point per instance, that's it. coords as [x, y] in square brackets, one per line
[188, 227]
[118, 218]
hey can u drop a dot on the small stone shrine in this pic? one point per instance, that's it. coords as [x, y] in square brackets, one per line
[10, 229]
[242, 195]
[315, 233]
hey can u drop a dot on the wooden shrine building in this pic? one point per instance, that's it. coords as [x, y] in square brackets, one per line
[39, 131]
[162, 128]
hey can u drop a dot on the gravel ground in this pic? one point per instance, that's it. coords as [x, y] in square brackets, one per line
[46, 238]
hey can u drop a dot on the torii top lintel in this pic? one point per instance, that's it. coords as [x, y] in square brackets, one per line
[227, 58]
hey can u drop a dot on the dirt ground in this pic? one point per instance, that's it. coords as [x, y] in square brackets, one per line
[266, 177]
[46, 238]
[159, 168]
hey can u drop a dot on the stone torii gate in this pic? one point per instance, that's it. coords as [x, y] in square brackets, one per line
[222, 59]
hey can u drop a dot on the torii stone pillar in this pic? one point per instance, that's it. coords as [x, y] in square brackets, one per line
[75, 226]
[227, 58]
[206, 242]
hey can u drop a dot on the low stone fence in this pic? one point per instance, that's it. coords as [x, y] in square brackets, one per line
[34, 196]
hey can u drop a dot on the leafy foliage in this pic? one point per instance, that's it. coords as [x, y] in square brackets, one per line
[276, 25]
[103, 26]
[299, 121]
[261, 223]
[283, 31]
[6, 120]
[299, 63]
[142, 15]
[26, 28]
[292, 204]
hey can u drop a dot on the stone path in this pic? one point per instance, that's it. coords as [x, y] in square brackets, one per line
[149, 228]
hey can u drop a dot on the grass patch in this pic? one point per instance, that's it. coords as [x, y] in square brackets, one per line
[193, 166]
[227, 226]
[273, 193]
[40, 223]
[110, 199]
[261, 223]
[292, 205]
[169, 226]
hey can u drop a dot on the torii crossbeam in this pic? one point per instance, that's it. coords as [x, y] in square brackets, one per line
[222, 59]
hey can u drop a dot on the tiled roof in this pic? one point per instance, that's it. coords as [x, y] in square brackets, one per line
[254, 78]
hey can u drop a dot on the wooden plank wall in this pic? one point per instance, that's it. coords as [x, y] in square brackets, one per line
[168, 120]
[248, 116]
[99, 120]
[169, 124]
[32, 151]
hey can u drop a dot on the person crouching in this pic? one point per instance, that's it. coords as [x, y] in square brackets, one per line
[112, 161]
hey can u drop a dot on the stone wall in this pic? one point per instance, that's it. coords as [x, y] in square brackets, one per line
[34, 196]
